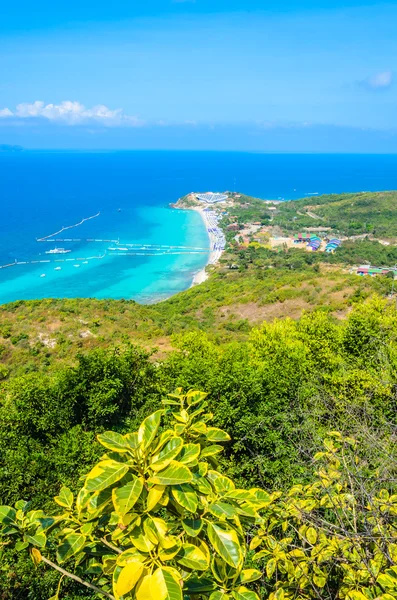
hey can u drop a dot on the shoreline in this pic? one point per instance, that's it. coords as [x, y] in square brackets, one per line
[216, 241]
[215, 253]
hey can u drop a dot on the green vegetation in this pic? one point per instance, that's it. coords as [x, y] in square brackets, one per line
[349, 214]
[277, 394]
[294, 350]
[157, 520]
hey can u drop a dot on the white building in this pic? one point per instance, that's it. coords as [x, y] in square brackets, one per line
[211, 197]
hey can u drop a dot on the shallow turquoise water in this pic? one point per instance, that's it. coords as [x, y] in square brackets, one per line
[42, 191]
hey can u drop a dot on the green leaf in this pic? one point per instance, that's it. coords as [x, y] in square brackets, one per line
[185, 496]
[192, 526]
[104, 474]
[217, 435]
[38, 539]
[8, 515]
[219, 595]
[226, 544]
[19, 546]
[126, 496]
[148, 429]
[72, 544]
[190, 453]
[167, 454]
[199, 585]
[128, 578]
[221, 509]
[193, 558]
[113, 441]
[65, 498]
[173, 474]
[22, 505]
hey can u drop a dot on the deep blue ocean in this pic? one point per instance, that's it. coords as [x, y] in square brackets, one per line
[40, 192]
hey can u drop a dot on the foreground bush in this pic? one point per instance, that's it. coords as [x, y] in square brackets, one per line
[156, 520]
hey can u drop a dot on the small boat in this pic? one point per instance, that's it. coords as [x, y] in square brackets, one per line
[58, 251]
[57, 268]
[85, 262]
[42, 275]
[77, 266]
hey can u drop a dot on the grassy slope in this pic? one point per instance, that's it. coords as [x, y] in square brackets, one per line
[40, 334]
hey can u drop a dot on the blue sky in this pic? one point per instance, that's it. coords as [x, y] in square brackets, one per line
[306, 76]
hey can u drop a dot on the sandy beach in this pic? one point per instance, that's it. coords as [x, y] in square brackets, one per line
[215, 254]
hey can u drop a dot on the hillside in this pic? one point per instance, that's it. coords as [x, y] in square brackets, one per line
[39, 334]
[348, 214]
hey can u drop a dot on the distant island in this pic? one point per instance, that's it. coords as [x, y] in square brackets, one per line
[9, 148]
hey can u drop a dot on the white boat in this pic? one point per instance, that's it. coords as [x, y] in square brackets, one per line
[58, 251]
[42, 275]
[77, 266]
[57, 268]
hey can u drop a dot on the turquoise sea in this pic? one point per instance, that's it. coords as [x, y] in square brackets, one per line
[41, 192]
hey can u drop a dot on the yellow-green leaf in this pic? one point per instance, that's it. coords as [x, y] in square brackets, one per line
[154, 496]
[113, 441]
[126, 496]
[65, 498]
[38, 539]
[167, 454]
[104, 474]
[211, 450]
[185, 496]
[36, 556]
[193, 558]
[226, 544]
[190, 453]
[162, 585]
[148, 429]
[219, 595]
[72, 544]
[192, 526]
[129, 576]
[173, 474]
[217, 435]
[243, 593]
[249, 575]
[140, 541]
[311, 535]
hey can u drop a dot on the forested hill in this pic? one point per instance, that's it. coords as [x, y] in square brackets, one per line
[350, 214]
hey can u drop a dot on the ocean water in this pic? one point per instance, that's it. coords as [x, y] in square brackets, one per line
[40, 192]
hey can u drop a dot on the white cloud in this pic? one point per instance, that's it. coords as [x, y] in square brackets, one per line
[379, 80]
[71, 113]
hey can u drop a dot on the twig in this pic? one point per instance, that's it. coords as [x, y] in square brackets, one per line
[76, 578]
[109, 545]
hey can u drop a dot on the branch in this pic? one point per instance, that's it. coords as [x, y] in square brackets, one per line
[78, 579]
[109, 545]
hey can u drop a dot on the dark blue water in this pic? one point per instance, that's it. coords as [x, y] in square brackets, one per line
[43, 191]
